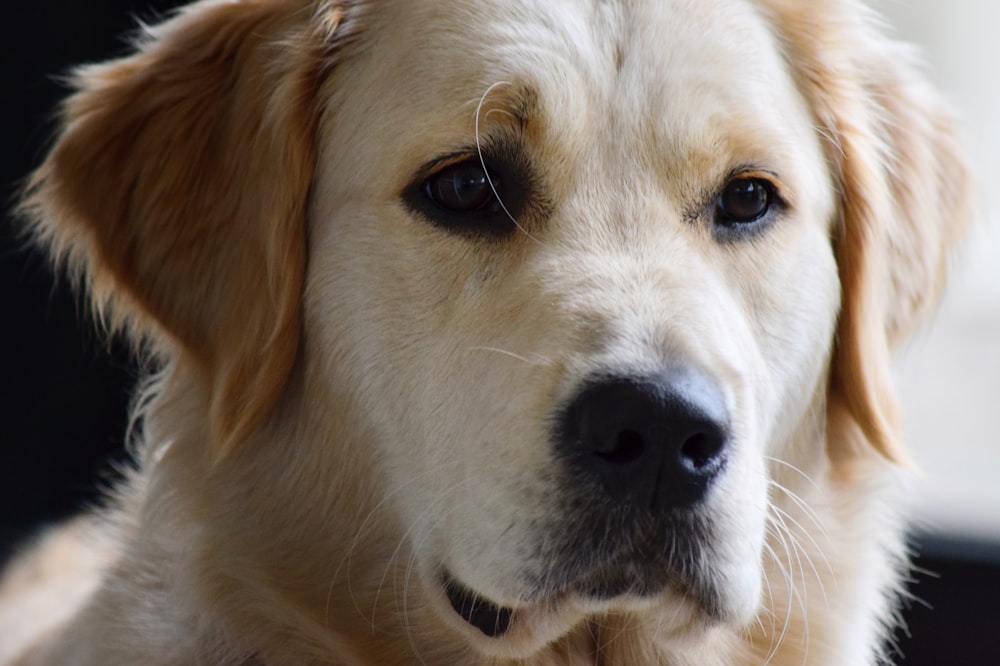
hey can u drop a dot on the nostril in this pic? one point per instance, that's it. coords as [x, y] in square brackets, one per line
[701, 451]
[628, 446]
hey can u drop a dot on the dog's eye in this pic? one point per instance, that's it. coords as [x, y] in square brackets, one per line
[470, 195]
[744, 200]
[464, 188]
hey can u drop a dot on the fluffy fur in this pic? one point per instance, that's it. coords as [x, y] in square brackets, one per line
[353, 401]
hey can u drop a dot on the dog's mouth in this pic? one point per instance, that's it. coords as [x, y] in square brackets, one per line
[649, 562]
[611, 586]
[619, 584]
[484, 615]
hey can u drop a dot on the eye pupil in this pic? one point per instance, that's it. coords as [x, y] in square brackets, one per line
[462, 188]
[745, 200]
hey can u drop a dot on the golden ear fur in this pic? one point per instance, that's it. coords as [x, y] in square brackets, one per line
[178, 188]
[905, 196]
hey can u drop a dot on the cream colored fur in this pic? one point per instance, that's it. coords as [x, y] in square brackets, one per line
[352, 399]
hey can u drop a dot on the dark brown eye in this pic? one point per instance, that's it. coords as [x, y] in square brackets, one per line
[745, 200]
[463, 188]
[470, 194]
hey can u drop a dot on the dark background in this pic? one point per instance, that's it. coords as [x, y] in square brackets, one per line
[64, 389]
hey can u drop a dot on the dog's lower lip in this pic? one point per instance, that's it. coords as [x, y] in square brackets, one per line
[481, 613]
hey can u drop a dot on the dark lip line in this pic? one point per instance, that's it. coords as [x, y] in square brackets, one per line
[489, 618]
[496, 622]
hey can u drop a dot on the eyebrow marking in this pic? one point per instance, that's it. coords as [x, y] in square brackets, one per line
[520, 103]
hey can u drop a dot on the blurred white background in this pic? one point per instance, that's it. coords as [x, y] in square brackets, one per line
[949, 377]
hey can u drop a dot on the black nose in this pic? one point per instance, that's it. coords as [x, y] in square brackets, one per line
[654, 442]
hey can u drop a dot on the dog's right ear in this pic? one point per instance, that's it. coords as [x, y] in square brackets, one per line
[178, 187]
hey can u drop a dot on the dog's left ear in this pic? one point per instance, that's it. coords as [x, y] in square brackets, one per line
[178, 187]
[904, 189]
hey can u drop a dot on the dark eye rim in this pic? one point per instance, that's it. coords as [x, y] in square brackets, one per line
[776, 204]
[491, 219]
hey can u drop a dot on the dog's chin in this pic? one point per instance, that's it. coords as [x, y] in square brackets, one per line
[500, 629]
[518, 629]
[714, 598]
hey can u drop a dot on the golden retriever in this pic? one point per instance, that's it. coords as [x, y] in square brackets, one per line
[534, 332]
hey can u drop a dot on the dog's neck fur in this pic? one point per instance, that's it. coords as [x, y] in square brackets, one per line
[352, 598]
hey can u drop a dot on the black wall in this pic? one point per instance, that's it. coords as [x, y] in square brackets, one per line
[63, 388]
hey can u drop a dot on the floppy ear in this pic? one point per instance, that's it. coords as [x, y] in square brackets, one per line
[178, 190]
[905, 197]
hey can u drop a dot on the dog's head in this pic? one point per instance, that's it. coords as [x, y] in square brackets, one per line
[585, 273]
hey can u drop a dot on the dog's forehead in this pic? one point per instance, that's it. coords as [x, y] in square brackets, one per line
[639, 75]
[639, 55]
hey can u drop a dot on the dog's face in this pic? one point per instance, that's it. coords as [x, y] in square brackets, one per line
[577, 280]
[578, 271]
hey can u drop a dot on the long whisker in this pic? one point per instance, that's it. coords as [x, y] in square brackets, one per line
[796, 556]
[793, 592]
[804, 506]
[785, 518]
[788, 465]
[370, 519]
[777, 641]
[411, 561]
[406, 615]
[482, 160]
[534, 359]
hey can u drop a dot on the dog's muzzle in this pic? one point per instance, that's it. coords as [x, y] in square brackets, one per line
[644, 452]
